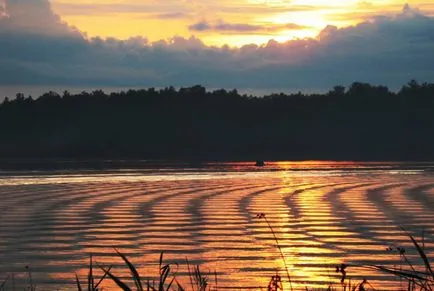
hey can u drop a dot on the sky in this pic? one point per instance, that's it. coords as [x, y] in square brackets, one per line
[251, 45]
[220, 22]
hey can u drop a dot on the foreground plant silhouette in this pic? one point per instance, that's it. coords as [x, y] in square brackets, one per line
[262, 216]
[91, 286]
[422, 280]
[417, 280]
[198, 280]
[30, 284]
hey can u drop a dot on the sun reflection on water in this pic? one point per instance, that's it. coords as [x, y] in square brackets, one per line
[322, 214]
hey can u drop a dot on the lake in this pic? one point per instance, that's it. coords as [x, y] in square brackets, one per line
[322, 213]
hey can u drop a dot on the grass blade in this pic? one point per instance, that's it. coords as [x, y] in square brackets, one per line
[170, 284]
[133, 271]
[421, 253]
[161, 259]
[398, 273]
[262, 215]
[164, 273]
[90, 275]
[179, 286]
[78, 283]
[190, 275]
[121, 284]
[103, 277]
[215, 277]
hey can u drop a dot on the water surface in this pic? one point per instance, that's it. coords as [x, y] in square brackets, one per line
[323, 214]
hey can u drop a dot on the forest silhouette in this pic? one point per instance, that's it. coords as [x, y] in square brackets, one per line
[361, 122]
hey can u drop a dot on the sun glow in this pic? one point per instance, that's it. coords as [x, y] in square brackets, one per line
[249, 21]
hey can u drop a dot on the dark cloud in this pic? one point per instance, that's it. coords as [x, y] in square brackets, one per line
[200, 26]
[38, 49]
[223, 27]
[172, 15]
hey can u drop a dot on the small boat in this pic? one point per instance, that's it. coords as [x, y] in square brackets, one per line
[260, 163]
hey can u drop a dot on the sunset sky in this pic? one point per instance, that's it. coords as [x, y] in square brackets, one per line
[219, 22]
[251, 45]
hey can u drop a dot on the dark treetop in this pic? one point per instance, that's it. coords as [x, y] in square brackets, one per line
[362, 122]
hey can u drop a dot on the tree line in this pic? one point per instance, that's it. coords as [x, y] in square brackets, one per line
[359, 122]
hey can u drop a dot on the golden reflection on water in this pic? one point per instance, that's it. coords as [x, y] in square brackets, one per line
[323, 214]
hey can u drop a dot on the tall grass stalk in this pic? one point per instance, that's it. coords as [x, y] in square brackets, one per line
[262, 216]
[91, 286]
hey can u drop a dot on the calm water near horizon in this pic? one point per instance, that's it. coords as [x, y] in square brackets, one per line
[324, 214]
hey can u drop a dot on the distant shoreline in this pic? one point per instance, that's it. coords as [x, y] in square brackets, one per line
[193, 126]
[137, 164]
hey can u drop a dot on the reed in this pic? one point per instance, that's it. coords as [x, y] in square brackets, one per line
[262, 216]
[29, 286]
[421, 280]
[416, 279]
[166, 280]
[91, 286]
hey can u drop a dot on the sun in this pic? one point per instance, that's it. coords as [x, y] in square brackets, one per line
[313, 16]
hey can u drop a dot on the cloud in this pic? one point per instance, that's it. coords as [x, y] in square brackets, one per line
[128, 7]
[200, 26]
[175, 6]
[32, 16]
[38, 49]
[3, 10]
[172, 15]
[222, 26]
